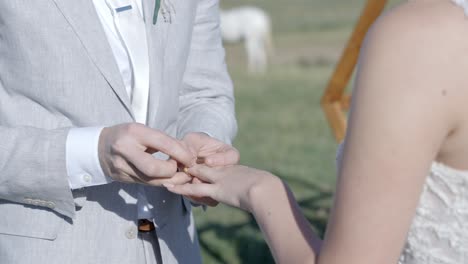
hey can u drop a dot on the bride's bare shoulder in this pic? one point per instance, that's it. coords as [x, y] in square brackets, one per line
[436, 19]
[420, 29]
[419, 51]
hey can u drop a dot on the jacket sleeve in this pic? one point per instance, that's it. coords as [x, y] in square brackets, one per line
[33, 168]
[206, 98]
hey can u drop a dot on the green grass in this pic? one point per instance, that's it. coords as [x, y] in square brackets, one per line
[281, 126]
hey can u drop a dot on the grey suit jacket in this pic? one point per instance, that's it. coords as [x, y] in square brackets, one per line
[57, 71]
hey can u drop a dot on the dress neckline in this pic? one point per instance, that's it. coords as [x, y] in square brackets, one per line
[436, 165]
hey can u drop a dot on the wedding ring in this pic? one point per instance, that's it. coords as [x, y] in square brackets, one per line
[200, 160]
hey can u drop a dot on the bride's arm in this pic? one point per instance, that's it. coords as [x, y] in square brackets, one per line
[287, 231]
[405, 104]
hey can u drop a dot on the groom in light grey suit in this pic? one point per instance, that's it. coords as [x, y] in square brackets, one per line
[95, 96]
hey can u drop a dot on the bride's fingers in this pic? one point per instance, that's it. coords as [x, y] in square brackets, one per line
[177, 179]
[196, 180]
[230, 156]
[199, 190]
[204, 173]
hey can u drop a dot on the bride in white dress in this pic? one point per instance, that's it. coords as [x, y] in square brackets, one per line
[402, 191]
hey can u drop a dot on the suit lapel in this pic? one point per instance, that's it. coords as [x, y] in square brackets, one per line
[157, 38]
[82, 17]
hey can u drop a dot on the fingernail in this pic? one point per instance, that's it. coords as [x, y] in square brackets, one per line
[201, 160]
[168, 185]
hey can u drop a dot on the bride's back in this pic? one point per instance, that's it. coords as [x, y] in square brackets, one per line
[408, 133]
[447, 51]
[449, 27]
[439, 233]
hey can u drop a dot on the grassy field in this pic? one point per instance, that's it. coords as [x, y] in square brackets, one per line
[281, 126]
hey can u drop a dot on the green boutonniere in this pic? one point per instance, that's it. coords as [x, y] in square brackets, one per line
[157, 6]
[167, 11]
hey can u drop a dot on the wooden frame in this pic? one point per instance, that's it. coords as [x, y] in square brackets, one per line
[334, 101]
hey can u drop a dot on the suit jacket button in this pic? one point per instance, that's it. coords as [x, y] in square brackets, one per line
[87, 178]
[131, 233]
[51, 205]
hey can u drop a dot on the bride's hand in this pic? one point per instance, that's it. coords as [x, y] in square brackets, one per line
[232, 185]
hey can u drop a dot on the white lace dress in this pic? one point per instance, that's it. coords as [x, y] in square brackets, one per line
[439, 233]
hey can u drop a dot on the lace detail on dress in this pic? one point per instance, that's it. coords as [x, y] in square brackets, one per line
[439, 232]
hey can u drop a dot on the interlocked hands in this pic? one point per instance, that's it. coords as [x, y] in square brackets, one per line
[125, 155]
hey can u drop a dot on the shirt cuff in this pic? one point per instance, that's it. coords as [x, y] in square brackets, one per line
[83, 166]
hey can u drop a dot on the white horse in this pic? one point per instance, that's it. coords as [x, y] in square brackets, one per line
[253, 26]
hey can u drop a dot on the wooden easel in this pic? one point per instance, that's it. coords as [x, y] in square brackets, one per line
[334, 101]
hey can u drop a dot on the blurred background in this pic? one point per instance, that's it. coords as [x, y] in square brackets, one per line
[281, 126]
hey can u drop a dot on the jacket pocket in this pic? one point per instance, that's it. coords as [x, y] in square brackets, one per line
[28, 221]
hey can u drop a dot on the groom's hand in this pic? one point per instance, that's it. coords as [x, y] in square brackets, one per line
[125, 155]
[211, 152]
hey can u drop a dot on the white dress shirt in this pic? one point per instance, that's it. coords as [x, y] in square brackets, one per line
[83, 167]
